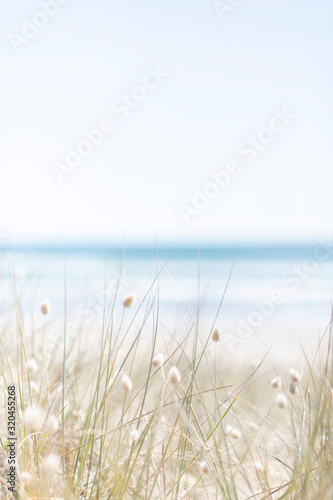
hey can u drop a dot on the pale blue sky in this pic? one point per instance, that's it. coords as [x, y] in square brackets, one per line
[225, 79]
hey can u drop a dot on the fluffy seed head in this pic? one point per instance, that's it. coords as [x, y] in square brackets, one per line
[26, 478]
[31, 366]
[216, 335]
[158, 360]
[233, 432]
[293, 388]
[126, 383]
[134, 436]
[45, 307]
[129, 300]
[34, 387]
[259, 467]
[51, 463]
[34, 418]
[204, 467]
[174, 375]
[294, 376]
[281, 400]
[53, 423]
[276, 382]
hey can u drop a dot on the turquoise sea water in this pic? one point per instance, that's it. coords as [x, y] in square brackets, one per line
[273, 289]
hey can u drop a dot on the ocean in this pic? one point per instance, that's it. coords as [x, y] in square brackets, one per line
[270, 292]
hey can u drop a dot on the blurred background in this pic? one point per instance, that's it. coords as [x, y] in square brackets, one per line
[193, 124]
[228, 68]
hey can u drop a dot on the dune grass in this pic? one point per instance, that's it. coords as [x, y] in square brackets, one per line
[220, 432]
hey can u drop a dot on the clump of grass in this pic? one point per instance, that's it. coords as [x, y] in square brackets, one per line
[101, 420]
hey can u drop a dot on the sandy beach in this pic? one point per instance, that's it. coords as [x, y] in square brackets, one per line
[139, 393]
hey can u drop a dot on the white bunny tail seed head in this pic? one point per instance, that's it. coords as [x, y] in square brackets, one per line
[31, 366]
[174, 375]
[51, 463]
[129, 300]
[276, 383]
[281, 401]
[34, 387]
[235, 433]
[134, 436]
[126, 383]
[204, 467]
[26, 478]
[293, 388]
[45, 307]
[216, 335]
[53, 423]
[158, 360]
[294, 376]
[259, 467]
[34, 418]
